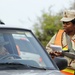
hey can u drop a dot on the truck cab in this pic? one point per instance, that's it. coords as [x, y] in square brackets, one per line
[21, 53]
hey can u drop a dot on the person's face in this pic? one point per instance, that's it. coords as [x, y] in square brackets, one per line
[68, 27]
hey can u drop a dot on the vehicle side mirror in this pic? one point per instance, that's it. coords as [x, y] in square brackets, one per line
[61, 62]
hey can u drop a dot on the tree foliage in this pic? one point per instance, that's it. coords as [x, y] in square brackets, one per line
[46, 27]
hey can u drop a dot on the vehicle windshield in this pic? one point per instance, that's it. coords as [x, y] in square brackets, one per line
[21, 46]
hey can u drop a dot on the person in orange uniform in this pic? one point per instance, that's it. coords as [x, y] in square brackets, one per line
[66, 39]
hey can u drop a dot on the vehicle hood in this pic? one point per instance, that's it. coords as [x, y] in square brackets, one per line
[30, 72]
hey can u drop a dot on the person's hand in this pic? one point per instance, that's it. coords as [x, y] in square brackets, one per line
[55, 54]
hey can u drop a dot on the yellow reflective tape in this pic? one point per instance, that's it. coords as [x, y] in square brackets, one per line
[69, 70]
[65, 49]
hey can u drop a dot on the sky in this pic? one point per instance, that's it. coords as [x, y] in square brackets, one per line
[25, 12]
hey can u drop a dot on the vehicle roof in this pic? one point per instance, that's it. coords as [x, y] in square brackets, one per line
[12, 26]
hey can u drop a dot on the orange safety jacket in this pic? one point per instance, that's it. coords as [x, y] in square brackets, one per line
[58, 41]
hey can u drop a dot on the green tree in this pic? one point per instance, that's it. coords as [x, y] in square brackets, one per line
[46, 27]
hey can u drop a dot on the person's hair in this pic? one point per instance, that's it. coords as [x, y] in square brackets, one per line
[73, 21]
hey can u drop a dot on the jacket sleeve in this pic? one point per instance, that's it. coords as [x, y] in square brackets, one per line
[50, 42]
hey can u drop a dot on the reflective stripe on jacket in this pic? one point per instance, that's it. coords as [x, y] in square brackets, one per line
[68, 71]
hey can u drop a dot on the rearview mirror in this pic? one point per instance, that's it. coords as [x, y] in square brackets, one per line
[61, 62]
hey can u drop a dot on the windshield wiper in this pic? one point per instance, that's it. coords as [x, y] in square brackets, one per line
[15, 65]
[40, 68]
